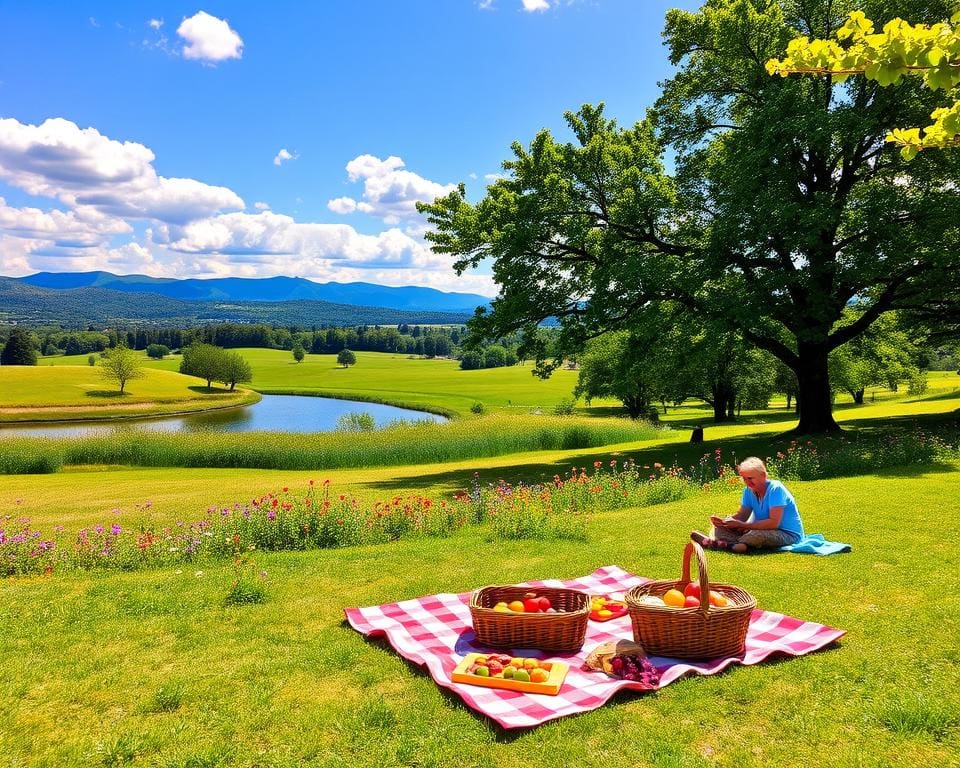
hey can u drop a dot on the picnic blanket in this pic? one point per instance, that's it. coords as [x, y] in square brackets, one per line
[815, 544]
[436, 631]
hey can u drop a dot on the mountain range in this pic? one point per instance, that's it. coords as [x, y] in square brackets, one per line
[22, 302]
[269, 289]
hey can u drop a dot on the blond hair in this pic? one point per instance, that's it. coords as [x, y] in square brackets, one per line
[752, 464]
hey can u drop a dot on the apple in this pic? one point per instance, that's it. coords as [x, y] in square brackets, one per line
[482, 671]
[691, 602]
[692, 589]
[522, 675]
[544, 603]
[531, 605]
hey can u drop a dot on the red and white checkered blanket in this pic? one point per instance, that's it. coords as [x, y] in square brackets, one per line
[436, 631]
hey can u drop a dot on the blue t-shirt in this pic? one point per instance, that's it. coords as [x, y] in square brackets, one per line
[776, 495]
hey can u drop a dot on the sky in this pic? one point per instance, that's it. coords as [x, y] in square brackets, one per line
[253, 139]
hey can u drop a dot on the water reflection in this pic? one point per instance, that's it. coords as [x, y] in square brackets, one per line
[274, 413]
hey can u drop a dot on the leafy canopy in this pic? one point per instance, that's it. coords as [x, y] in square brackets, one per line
[931, 51]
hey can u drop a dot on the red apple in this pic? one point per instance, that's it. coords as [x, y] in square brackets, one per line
[692, 589]
[544, 603]
[531, 605]
[691, 602]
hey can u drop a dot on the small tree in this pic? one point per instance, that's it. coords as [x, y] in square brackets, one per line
[298, 352]
[157, 351]
[204, 361]
[19, 349]
[346, 358]
[121, 365]
[236, 370]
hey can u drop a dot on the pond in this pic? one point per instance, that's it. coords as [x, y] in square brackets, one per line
[274, 413]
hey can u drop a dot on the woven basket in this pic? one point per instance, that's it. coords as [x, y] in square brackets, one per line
[564, 630]
[705, 632]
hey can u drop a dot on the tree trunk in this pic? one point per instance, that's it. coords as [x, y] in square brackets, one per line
[635, 406]
[858, 396]
[789, 399]
[814, 397]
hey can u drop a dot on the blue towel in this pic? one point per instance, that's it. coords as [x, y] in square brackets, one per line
[815, 544]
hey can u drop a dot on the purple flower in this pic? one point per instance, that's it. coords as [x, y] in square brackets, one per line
[98, 528]
[115, 529]
[271, 515]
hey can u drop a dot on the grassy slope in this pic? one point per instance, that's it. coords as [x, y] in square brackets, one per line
[44, 393]
[286, 683]
[396, 379]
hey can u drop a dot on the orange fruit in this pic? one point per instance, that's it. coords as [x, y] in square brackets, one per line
[516, 606]
[516, 662]
[604, 613]
[546, 665]
[674, 598]
[718, 600]
[539, 676]
[530, 663]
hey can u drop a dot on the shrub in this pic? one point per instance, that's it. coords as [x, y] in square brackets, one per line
[564, 407]
[91, 360]
[478, 408]
[356, 422]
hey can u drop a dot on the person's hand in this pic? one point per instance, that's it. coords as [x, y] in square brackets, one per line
[714, 520]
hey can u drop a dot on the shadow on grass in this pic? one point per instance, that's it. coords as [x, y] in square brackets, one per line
[107, 393]
[682, 454]
[204, 390]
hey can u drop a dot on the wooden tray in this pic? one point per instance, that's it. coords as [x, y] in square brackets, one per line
[551, 687]
[618, 612]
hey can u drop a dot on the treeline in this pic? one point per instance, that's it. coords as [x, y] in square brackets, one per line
[423, 341]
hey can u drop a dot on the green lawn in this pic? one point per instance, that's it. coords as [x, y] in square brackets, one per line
[151, 669]
[396, 379]
[44, 393]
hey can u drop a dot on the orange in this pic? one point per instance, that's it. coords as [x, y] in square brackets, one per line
[516, 606]
[674, 598]
[546, 665]
[516, 662]
[718, 600]
[530, 663]
[539, 676]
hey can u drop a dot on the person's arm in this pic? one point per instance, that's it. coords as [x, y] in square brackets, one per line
[736, 520]
[771, 523]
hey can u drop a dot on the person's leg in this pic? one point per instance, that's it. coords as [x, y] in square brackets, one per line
[771, 539]
[726, 538]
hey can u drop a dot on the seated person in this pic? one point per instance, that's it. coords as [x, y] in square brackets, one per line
[767, 517]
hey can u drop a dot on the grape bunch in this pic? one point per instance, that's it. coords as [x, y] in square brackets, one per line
[636, 668]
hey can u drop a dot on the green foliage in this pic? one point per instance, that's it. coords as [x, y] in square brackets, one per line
[121, 365]
[298, 353]
[205, 361]
[930, 51]
[478, 408]
[356, 422]
[248, 586]
[235, 370]
[91, 360]
[157, 351]
[565, 407]
[346, 358]
[19, 349]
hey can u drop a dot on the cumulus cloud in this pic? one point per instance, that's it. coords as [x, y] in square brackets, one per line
[282, 155]
[389, 193]
[532, 6]
[155, 23]
[84, 168]
[209, 39]
[81, 228]
[261, 206]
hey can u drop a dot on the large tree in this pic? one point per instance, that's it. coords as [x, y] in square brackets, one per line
[785, 206]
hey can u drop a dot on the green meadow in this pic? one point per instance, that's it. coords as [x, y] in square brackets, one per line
[75, 391]
[155, 667]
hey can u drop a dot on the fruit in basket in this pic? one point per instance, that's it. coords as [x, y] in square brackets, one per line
[674, 598]
[718, 600]
[531, 605]
[517, 606]
[692, 590]
[691, 602]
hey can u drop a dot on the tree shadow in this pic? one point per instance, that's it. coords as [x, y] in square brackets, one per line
[201, 389]
[107, 393]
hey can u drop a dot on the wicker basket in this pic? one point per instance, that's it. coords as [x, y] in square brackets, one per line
[564, 630]
[705, 632]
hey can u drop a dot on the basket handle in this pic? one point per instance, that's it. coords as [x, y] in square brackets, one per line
[694, 548]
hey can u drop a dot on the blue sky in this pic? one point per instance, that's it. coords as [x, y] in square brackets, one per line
[257, 139]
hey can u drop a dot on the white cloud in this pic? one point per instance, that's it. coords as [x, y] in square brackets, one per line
[282, 155]
[209, 39]
[155, 23]
[532, 6]
[389, 193]
[104, 191]
[492, 177]
[82, 167]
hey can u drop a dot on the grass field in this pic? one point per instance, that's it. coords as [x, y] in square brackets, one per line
[151, 668]
[395, 379]
[42, 393]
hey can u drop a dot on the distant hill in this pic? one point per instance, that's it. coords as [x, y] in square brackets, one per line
[80, 306]
[268, 289]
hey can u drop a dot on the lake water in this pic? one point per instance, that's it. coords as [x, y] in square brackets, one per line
[274, 413]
